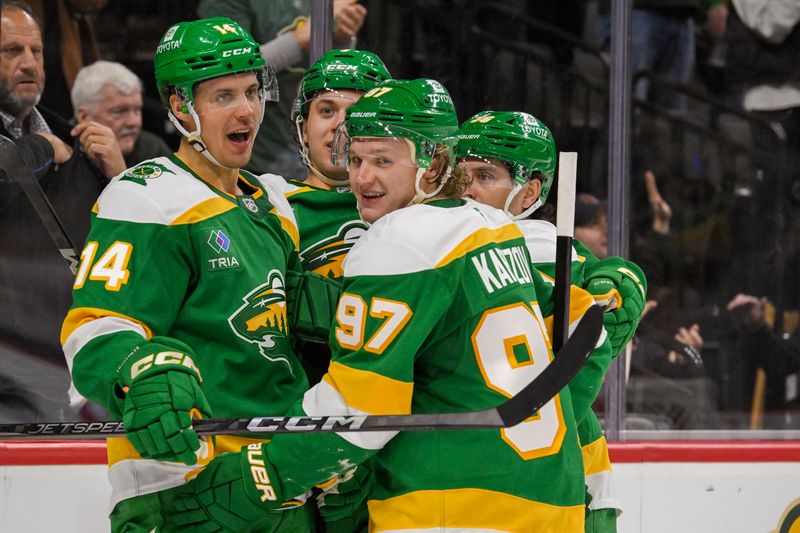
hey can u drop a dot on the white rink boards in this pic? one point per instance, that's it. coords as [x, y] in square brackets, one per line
[665, 487]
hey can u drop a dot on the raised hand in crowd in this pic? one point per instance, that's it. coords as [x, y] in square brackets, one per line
[348, 17]
[101, 147]
[662, 212]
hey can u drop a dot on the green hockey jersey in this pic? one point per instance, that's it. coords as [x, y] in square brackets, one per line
[170, 255]
[439, 314]
[540, 237]
[328, 223]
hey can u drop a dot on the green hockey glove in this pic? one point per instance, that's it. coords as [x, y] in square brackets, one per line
[235, 492]
[159, 390]
[620, 287]
[311, 301]
[342, 498]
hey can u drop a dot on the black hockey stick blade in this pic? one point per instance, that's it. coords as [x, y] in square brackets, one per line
[566, 363]
[11, 161]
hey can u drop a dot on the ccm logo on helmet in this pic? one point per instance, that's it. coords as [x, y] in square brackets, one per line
[163, 358]
[237, 52]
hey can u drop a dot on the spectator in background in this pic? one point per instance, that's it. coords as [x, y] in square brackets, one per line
[767, 364]
[67, 26]
[763, 43]
[663, 41]
[110, 94]
[284, 31]
[591, 224]
[72, 165]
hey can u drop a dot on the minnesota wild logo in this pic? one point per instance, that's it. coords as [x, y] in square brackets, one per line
[146, 171]
[262, 319]
[325, 257]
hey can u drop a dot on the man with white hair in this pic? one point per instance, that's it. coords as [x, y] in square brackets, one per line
[109, 93]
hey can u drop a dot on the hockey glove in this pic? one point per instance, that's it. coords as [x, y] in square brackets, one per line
[235, 492]
[311, 300]
[159, 388]
[342, 502]
[620, 288]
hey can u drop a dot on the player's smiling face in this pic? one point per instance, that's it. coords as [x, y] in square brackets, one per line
[229, 109]
[490, 182]
[382, 174]
[326, 112]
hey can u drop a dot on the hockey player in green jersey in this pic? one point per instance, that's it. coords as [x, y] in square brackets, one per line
[511, 158]
[438, 313]
[179, 301]
[324, 206]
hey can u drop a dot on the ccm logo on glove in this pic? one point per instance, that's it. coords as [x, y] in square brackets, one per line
[163, 358]
[259, 472]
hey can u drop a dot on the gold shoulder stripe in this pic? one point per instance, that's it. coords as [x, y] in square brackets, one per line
[369, 391]
[290, 228]
[479, 238]
[81, 315]
[203, 211]
[297, 191]
[471, 509]
[579, 302]
[595, 457]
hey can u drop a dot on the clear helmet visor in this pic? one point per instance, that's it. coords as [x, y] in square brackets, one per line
[486, 173]
[420, 148]
[252, 98]
[338, 99]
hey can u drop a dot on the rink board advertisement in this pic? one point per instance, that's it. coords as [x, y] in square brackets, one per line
[692, 487]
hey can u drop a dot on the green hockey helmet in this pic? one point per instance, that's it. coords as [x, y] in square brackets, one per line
[518, 139]
[356, 70]
[199, 50]
[420, 110]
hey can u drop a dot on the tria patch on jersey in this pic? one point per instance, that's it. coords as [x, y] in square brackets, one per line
[220, 243]
[325, 257]
[500, 267]
[143, 172]
[262, 320]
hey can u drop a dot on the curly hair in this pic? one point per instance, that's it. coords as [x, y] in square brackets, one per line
[457, 182]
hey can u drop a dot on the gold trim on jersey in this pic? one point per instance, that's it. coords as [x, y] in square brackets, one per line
[289, 228]
[121, 449]
[370, 392]
[203, 211]
[81, 315]
[298, 190]
[480, 238]
[595, 457]
[472, 509]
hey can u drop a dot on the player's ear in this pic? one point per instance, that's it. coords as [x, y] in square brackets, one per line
[178, 108]
[530, 192]
[304, 130]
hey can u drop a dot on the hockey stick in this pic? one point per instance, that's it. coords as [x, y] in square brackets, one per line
[565, 229]
[11, 161]
[567, 362]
